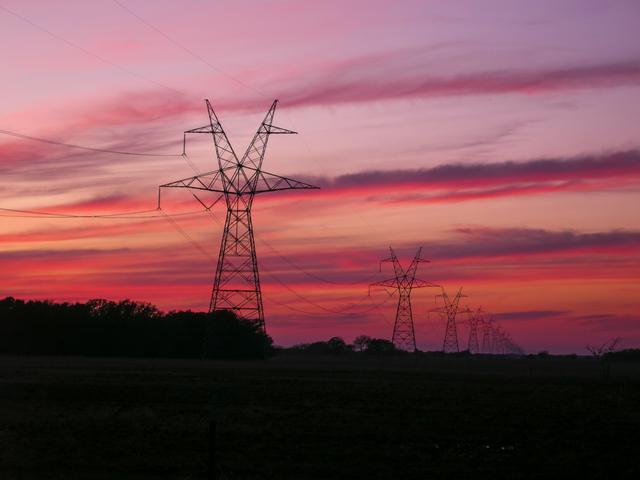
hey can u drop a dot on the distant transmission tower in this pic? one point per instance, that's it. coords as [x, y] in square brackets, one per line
[497, 341]
[486, 336]
[237, 284]
[450, 311]
[405, 280]
[474, 319]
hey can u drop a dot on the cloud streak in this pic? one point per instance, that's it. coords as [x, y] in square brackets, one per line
[527, 315]
[384, 78]
[463, 182]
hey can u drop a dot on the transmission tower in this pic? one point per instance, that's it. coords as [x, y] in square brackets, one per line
[474, 319]
[237, 284]
[497, 341]
[450, 310]
[486, 335]
[405, 280]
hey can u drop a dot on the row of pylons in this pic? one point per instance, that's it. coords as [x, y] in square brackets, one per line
[495, 340]
[236, 285]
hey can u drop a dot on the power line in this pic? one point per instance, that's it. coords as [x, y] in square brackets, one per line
[311, 275]
[343, 312]
[16, 213]
[186, 50]
[299, 310]
[87, 52]
[189, 238]
[329, 313]
[307, 273]
[130, 215]
[82, 147]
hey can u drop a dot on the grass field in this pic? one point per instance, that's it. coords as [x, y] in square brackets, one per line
[319, 418]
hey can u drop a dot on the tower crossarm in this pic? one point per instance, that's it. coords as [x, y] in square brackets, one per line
[205, 129]
[417, 283]
[270, 182]
[213, 182]
[397, 268]
[209, 181]
[389, 283]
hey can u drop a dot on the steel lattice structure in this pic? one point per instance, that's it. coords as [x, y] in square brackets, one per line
[405, 281]
[450, 310]
[487, 329]
[474, 320]
[498, 341]
[237, 283]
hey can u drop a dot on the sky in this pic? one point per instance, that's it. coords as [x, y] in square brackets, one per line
[502, 137]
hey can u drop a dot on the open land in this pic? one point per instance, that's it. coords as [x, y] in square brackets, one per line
[296, 417]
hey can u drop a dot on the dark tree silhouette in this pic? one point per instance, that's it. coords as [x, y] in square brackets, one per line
[228, 336]
[129, 329]
[378, 346]
[337, 345]
[361, 343]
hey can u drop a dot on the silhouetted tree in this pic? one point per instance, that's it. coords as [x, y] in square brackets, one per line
[379, 346]
[361, 343]
[603, 353]
[333, 346]
[337, 345]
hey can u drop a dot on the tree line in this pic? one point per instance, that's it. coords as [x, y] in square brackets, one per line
[125, 329]
[337, 346]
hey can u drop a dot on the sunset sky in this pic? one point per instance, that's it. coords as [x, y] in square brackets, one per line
[503, 137]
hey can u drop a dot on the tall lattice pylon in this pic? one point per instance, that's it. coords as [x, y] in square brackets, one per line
[404, 335]
[237, 283]
[450, 310]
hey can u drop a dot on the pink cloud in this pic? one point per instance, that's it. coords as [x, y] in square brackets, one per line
[378, 78]
[464, 182]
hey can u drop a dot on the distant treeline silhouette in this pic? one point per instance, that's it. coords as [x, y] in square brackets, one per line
[125, 329]
[337, 346]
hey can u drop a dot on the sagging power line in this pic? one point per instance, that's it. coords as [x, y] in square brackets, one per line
[83, 147]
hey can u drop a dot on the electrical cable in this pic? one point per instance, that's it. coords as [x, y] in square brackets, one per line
[33, 214]
[187, 50]
[344, 311]
[309, 274]
[82, 147]
[189, 238]
[87, 52]
[139, 215]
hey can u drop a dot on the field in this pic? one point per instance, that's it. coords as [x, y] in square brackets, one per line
[318, 418]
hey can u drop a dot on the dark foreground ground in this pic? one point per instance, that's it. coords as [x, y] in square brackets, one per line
[301, 418]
